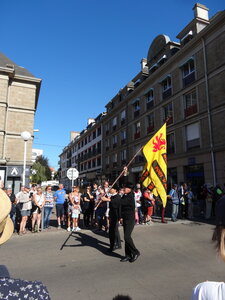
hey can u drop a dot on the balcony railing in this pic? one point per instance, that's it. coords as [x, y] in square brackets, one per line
[167, 93]
[114, 127]
[114, 145]
[191, 110]
[122, 121]
[150, 104]
[123, 141]
[150, 129]
[136, 113]
[189, 79]
[137, 135]
[168, 120]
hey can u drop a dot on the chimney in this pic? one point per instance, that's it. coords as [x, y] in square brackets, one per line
[73, 135]
[144, 64]
[201, 11]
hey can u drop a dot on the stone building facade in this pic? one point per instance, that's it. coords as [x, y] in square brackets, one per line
[19, 92]
[181, 82]
[84, 152]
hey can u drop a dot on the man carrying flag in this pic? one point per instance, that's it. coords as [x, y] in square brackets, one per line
[154, 175]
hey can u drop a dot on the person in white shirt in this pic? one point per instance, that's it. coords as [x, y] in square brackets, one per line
[38, 204]
[137, 198]
[211, 290]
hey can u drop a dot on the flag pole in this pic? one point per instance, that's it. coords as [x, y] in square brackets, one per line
[125, 169]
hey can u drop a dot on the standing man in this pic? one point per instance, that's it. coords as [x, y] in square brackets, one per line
[128, 216]
[114, 216]
[13, 208]
[175, 202]
[59, 198]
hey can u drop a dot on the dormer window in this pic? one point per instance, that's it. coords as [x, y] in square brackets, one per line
[153, 68]
[162, 60]
[187, 38]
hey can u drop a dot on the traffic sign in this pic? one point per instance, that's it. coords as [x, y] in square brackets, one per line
[72, 173]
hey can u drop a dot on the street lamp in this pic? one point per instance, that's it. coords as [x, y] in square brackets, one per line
[25, 135]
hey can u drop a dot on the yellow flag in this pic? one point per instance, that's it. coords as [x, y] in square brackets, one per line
[154, 175]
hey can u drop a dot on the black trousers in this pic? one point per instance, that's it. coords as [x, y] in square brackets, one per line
[114, 235]
[128, 226]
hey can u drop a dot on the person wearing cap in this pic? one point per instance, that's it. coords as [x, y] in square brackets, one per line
[212, 290]
[128, 217]
[11, 288]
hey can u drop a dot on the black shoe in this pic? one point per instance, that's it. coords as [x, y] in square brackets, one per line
[135, 257]
[126, 258]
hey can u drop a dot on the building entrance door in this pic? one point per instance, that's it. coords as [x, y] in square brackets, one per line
[14, 182]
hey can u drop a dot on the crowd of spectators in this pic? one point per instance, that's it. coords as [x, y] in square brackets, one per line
[33, 203]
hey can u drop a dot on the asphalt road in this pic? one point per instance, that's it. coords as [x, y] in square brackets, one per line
[174, 258]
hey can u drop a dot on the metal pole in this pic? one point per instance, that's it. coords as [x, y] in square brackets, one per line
[24, 161]
[72, 181]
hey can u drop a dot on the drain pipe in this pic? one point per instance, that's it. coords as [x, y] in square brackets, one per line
[209, 114]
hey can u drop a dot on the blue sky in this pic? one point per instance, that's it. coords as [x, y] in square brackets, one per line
[84, 52]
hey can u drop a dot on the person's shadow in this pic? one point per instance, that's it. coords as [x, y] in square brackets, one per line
[81, 239]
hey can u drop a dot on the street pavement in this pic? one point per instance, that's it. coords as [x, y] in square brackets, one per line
[174, 258]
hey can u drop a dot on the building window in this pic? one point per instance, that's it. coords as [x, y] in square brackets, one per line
[192, 136]
[93, 163]
[99, 131]
[107, 161]
[114, 158]
[107, 128]
[139, 157]
[123, 136]
[137, 130]
[122, 117]
[114, 141]
[190, 104]
[150, 99]
[99, 161]
[99, 146]
[136, 106]
[123, 156]
[170, 143]
[166, 87]
[114, 123]
[106, 144]
[188, 71]
[168, 113]
[150, 123]
[94, 135]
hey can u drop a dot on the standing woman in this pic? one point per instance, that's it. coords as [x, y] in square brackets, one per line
[128, 216]
[49, 204]
[39, 202]
[87, 197]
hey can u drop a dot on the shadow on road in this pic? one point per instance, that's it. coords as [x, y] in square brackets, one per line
[81, 239]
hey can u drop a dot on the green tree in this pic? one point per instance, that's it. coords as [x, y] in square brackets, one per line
[42, 171]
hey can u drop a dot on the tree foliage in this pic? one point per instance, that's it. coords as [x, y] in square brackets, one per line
[42, 169]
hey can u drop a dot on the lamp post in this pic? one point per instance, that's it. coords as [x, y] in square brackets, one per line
[25, 135]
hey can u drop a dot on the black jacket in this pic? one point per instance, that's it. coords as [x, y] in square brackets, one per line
[115, 207]
[128, 206]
